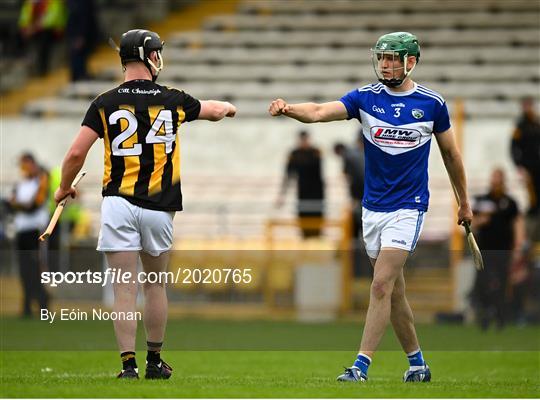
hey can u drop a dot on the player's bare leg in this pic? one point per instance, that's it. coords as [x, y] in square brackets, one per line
[401, 315]
[402, 318]
[155, 299]
[125, 298]
[155, 315]
[403, 323]
[388, 268]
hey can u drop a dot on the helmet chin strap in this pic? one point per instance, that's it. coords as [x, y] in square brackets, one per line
[393, 83]
[158, 69]
[407, 73]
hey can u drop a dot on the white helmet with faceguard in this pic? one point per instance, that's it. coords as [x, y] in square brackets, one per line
[391, 47]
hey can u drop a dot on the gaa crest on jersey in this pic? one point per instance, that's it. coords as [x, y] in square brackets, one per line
[386, 136]
[417, 113]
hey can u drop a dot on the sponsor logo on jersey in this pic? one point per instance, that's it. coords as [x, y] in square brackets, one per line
[403, 242]
[417, 113]
[385, 136]
[397, 105]
[153, 92]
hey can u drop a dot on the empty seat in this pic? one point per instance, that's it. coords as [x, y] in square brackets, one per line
[346, 72]
[354, 38]
[391, 20]
[374, 6]
[325, 55]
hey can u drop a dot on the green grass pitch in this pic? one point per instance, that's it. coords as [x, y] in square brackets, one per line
[264, 359]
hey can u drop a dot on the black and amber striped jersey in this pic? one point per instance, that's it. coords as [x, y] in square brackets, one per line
[139, 123]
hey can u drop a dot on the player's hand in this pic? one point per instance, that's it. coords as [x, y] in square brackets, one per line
[61, 194]
[279, 107]
[465, 214]
[232, 111]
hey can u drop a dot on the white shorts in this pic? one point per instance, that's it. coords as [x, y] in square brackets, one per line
[398, 229]
[127, 227]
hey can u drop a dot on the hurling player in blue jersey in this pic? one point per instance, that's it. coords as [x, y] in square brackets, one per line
[399, 117]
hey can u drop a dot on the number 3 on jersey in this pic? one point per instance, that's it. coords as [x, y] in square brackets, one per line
[163, 118]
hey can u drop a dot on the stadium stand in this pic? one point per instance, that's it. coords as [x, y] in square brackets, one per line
[483, 53]
[325, 52]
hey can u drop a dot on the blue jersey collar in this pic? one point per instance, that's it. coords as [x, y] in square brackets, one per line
[408, 92]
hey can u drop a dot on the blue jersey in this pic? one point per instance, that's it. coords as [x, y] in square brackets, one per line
[397, 129]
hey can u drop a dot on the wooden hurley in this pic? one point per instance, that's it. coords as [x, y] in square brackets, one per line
[59, 209]
[473, 246]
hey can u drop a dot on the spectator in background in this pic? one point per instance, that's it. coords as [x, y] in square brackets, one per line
[66, 224]
[29, 202]
[304, 165]
[353, 169]
[82, 34]
[500, 237]
[526, 155]
[41, 23]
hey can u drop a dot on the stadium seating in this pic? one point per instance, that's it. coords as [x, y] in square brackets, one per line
[390, 21]
[264, 73]
[483, 52]
[353, 38]
[320, 55]
[374, 6]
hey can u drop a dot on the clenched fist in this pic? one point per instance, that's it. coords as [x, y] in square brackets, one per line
[279, 107]
[232, 111]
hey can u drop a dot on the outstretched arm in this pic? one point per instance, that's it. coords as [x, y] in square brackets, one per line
[456, 171]
[213, 110]
[309, 112]
[74, 160]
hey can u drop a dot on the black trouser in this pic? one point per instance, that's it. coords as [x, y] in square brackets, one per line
[28, 257]
[43, 43]
[77, 60]
[490, 287]
[314, 218]
[535, 190]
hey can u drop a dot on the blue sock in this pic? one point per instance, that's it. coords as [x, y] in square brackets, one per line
[416, 359]
[362, 362]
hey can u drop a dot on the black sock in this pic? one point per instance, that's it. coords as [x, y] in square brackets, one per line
[154, 356]
[128, 360]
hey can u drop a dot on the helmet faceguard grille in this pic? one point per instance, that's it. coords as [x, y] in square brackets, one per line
[390, 57]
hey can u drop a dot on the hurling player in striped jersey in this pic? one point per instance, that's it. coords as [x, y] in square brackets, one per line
[139, 122]
[399, 118]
